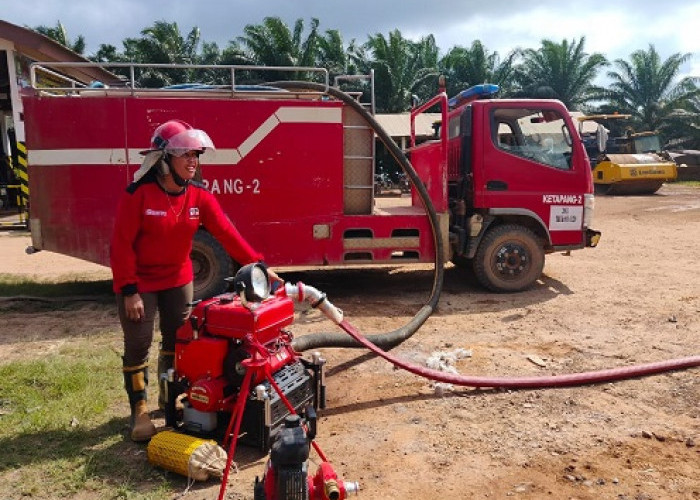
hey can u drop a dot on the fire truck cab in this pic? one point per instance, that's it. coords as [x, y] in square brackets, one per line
[294, 170]
[513, 175]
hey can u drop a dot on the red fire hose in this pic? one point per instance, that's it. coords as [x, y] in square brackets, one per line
[566, 380]
[318, 299]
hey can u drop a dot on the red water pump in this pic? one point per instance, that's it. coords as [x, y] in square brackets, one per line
[234, 363]
[286, 473]
[215, 349]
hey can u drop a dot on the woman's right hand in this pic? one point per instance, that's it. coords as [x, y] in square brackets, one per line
[133, 304]
[274, 278]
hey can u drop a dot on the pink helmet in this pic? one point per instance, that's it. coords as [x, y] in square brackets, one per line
[176, 137]
[173, 137]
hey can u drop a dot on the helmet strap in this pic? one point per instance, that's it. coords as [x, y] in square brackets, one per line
[179, 180]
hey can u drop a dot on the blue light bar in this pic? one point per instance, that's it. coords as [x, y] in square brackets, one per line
[475, 92]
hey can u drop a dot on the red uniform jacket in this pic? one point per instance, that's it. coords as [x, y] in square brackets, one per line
[153, 235]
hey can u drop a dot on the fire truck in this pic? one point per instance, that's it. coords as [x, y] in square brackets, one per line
[508, 179]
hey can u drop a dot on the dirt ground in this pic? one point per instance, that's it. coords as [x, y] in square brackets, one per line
[634, 299]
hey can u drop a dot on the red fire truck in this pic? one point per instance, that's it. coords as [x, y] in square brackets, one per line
[294, 168]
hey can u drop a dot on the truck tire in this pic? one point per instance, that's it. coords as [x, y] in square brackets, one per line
[211, 265]
[510, 258]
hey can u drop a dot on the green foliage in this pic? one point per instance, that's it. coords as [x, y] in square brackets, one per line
[401, 67]
[561, 71]
[645, 85]
[59, 34]
[14, 285]
[682, 125]
[331, 53]
[465, 67]
[62, 434]
[54, 393]
[59, 434]
[63, 409]
[272, 43]
[163, 43]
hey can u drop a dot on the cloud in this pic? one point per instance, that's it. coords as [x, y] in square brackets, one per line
[615, 29]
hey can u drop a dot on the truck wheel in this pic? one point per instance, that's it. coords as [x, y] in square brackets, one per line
[211, 265]
[509, 259]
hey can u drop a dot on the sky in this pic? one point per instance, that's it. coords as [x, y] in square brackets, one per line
[615, 28]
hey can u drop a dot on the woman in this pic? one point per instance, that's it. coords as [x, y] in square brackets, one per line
[157, 218]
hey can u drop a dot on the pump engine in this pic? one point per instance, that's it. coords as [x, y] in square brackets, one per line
[210, 363]
[286, 473]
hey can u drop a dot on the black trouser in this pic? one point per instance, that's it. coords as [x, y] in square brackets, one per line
[172, 308]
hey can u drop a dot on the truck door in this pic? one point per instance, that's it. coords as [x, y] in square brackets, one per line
[530, 168]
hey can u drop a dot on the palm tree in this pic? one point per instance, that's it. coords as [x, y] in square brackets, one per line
[331, 53]
[59, 34]
[646, 87]
[234, 54]
[464, 67]
[210, 55]
[682, 126]
[561, 71]
[426, 53]
[162, 43]
[401, 67]
[273, 44]
[107, 53]
[359, 61]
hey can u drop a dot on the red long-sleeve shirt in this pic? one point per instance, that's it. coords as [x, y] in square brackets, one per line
[153, 234]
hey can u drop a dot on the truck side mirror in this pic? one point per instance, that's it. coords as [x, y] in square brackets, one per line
[415, 101]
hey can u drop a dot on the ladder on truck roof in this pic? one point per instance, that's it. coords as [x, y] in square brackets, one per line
[359, 151]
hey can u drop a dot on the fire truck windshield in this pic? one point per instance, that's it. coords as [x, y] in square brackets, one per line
[526, 133]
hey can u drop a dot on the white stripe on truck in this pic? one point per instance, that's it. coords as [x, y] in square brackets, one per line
[285, 114]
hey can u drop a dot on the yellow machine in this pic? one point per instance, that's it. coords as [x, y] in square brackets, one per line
[630, 164]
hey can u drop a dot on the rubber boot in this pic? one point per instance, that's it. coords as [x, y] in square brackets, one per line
[135, 382]
[142, 428]
[165, 362]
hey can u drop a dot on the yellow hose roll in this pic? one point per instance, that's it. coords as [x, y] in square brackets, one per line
[189, 456]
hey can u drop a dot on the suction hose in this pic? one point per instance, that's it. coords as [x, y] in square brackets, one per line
[395, 337]
[318, 299]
